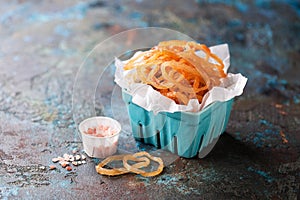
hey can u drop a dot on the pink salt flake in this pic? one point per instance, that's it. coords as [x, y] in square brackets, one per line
[101, 131]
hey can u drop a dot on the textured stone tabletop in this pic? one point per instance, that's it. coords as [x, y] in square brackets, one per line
[42, 46]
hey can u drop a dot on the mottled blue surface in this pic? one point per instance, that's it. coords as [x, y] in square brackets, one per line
[42, 45]
[264, 174]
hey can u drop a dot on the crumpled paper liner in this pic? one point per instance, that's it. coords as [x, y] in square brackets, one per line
[151, 100]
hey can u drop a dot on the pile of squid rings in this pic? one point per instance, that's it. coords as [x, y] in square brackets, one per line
[175, 69]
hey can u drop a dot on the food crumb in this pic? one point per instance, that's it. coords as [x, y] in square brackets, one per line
[283, 137]
[278, 105]
[282, 112]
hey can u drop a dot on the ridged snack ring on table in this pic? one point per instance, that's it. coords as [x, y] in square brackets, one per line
[141, 162]
[134, 169]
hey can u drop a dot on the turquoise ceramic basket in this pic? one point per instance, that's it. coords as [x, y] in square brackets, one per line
[182, 133]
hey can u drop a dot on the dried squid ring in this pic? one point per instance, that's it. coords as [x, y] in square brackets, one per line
[134, 169]
[141, 162]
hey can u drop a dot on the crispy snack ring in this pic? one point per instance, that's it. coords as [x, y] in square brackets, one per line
[175, 70]
[141, 162]
[134, 169]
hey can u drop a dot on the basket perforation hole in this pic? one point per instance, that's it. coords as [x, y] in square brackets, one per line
[158, 139]
[201, 140]
[175, 145]
[141, 131]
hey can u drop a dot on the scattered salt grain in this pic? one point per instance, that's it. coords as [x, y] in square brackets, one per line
[71, 158]
[75, 163]
[64, 163]
[60, 158]
[52, 167]
[55, 160]
[66, 157]
[77, 157]
[74, 151]
[67, 160]
[69, 168]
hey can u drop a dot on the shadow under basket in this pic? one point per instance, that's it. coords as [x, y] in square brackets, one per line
[182, 133]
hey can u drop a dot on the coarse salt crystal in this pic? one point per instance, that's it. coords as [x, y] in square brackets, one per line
[71, 158]
[64, 163]
[77, 157]
[75, 163]
[74, 151]
[101, 131]
[60, 158]
[52, 167]
[55, 160]
[66, 157]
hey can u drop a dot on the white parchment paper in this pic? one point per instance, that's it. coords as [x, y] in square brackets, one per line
[151, 100]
